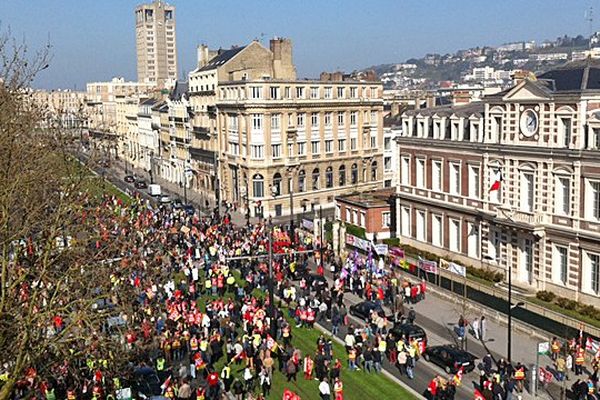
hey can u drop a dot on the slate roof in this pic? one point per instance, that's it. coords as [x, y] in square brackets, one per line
[221, 58]
[475, 108]
[574, 76]
[180, 89]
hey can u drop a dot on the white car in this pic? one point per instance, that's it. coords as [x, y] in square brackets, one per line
[165, 199]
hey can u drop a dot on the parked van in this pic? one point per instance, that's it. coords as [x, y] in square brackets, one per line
[154, 190]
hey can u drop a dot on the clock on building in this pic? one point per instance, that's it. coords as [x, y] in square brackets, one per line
[529, 123]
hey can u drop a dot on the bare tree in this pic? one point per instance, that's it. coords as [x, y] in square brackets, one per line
[55, 238]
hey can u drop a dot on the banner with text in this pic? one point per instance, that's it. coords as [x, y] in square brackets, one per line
[429, 266]
[357, 242]
[453, 267]
[381, 249]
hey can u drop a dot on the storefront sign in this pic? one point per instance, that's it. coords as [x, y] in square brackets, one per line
[357, 242]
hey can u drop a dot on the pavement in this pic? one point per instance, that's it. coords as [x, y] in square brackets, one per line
[437, 314]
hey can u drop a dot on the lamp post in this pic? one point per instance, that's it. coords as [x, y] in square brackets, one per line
[273, 325]
[321, 234]
[291, 187]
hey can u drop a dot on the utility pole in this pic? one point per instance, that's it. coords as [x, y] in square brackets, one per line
[321, 225]
[273, 324]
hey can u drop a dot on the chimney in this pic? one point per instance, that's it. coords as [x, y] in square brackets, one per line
[202, 55]
[283, 64]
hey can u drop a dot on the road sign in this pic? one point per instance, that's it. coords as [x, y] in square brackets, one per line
[543, 347]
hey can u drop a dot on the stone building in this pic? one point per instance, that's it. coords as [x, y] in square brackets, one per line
[511, 182]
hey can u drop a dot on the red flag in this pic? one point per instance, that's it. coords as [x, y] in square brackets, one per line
[459, 375]
[478, 395]
[287, 394]
[497, 182]
[166, 384]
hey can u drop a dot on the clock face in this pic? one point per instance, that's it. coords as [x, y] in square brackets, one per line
[529, 123]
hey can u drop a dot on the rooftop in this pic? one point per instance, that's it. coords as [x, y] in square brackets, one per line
[373, 199]
[221, 58]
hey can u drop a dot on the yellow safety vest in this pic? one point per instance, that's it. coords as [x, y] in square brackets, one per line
[225, 372]
[160, 364]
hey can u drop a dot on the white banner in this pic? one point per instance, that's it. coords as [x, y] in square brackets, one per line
[453, 267]
[381, 249]
[357, 242]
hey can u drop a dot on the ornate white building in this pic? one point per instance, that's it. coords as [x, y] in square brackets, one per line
[541, 141]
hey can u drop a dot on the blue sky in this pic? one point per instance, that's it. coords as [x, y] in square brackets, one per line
[94, 39]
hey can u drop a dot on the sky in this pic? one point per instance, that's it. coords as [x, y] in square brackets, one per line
[94, 40]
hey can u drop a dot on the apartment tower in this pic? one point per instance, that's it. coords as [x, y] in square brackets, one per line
[156, 43]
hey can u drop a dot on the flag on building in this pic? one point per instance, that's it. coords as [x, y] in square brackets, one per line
[497, 182]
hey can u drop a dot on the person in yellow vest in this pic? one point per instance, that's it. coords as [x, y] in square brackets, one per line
[194, 344]
[226, 377]
[170, 392]
[579, 360]
[338, 389]
[555, 348]
[519, 375]
[352, 359]
[200, 393]
[160, 364]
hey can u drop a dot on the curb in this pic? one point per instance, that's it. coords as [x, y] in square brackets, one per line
[384, 371]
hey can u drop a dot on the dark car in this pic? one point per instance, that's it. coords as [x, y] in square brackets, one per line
[410, 331]
[146, 382]
[129, 178]
[450, 357]
[315, 280]
[141, 184]
[189, 209]
[364, 308]
[177, 204]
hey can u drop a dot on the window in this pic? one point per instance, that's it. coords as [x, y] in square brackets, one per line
[421, 228]
[562, 196]
[373, 142]
[353, 92]
[314, 120]
[565, 131]
[233, 122]
[255, 92]
[329, 177]
[387, 183]
[287, 92]
[527, 186]
[301, 181]
[276, 150]
[290, 149]
[301, 148]
[354, 174]
[373, 92]
[277, 184]
[316, 179]
[342, 173]
[362, 218]
[278, 210]
[348, 215]
[387, 163]
[342, 145]
[300, 120]
[329, 146]
[454, 178]
[593, 200]
[595, 273]
[473, 182]
[420, 173]
[258, 185]
[493, 245]
[436, 230]
[473, 240]
[405, 170]
[275, 122]
[454, 235]
[374, 171]
[257, 152]
[387, 143]
[314, 92]
[495, 175]
[527, 261]
[328, 92]
[341, 93]
[373, 118]
[340, 118]
[353, 118]
[314, 146]
[561, 264]
[436, 175]
[353, 143]
[386, 219]
[257, 120]
[405, 221]
[274, 92]
[328, 119]
[355, 217]
[299, 92]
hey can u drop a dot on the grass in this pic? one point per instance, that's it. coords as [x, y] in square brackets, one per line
[570, 313]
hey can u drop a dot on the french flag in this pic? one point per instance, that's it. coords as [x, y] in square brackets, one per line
[497, 183]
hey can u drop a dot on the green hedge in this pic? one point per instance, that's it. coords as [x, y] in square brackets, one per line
[569, 305]
[356, 231]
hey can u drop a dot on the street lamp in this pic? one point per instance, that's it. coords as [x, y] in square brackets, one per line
[273, 325]
[321, 234]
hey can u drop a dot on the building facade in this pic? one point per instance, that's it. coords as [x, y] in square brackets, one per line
[510, 183]
[156, 43]
[285, 144]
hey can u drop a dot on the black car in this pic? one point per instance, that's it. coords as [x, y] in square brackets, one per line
[141, 184]
[189, 209]
[177, 204]
[129, 178]
[410, 331]
[146, 383]
[363, 309]
[450, 357]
